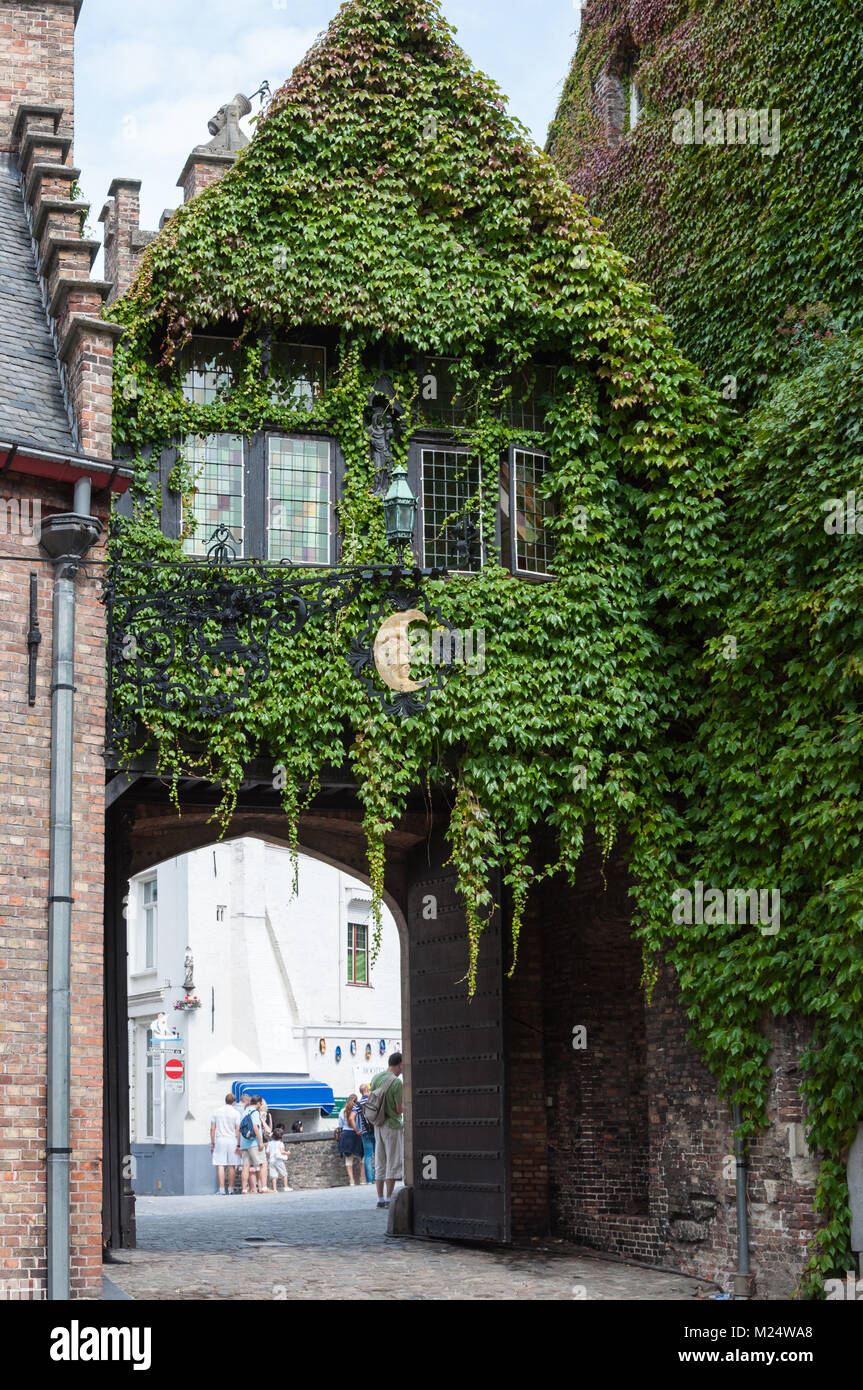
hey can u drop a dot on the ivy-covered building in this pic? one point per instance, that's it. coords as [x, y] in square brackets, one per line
[390, 291]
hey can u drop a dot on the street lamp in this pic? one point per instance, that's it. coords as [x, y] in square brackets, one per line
[400, 511]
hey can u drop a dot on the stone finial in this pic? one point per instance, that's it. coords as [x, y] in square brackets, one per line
[225, 127]
[207, 163]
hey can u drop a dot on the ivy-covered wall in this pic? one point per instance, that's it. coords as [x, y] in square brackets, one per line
[754, 251]
[736, 241]
[388, 200]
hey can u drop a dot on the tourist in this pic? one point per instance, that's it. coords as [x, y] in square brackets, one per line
[350, 1142]
[277, 1156]
[225, 1142]
[389, 1131]
[367, 1134]
[251, 1145]
[267, 1126]
[297, 1127]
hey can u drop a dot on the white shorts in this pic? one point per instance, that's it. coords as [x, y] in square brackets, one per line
[389, 1153]
[225, 1153]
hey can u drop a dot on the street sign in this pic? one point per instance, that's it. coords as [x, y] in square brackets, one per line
[174, 1069]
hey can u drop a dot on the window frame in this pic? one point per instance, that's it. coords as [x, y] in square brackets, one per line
[427, 440]
[149, 913]
[511, 561]
[256, 492]
[353, 928]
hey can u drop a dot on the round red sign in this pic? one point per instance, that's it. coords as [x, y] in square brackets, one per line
[174, 1069]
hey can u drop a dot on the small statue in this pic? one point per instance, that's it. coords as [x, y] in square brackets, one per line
[189, 966]
[225, 127]
[380, 433]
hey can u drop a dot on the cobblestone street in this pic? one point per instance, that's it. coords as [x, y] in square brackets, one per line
[333, 1244]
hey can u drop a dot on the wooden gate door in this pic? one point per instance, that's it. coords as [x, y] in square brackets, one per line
[461, 1159]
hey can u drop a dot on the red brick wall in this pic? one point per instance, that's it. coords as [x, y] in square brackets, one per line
[36, 59]
[523, 1019]
[638, 1141]
[25, 741]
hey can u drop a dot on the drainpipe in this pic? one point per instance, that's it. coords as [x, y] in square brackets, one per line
[744, 1284]
[67, 537]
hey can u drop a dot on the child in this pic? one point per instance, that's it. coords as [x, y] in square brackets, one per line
[277, 1155]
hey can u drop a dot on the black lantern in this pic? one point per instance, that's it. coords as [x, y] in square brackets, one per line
[400, 510]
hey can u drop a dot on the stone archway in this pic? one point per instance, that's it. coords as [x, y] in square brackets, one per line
[455, 1089]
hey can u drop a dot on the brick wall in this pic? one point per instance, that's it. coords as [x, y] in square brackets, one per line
[36, 59]
[638, 1141]
[25, 735]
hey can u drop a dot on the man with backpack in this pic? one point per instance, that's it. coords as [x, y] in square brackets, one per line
[252, 1145]
[383, 1111]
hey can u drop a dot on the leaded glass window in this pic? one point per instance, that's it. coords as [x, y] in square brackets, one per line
[209, 369]
[526, 542]
[298, 500]
[218, 467]
[297, 374]
[532, 389]
[452, 523]
[441, 396]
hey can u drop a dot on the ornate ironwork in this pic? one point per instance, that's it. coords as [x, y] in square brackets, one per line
[198, 636]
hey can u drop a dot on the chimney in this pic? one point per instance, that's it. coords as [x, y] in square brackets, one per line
[124, 240]
[37, 63]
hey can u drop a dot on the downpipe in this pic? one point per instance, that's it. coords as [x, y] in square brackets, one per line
[743, 1282]
[67, 537]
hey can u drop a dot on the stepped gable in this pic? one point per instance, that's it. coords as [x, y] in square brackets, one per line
[32, 409]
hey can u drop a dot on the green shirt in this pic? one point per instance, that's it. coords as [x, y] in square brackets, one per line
[392, 1098]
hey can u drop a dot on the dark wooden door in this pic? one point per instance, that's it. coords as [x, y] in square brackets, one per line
[461, 1161]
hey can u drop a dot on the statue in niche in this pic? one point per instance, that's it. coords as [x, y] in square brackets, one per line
[225, 127]
[380, 432]
[383, 424]
[189, 967]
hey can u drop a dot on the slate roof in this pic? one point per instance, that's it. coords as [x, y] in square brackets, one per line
[32, 409]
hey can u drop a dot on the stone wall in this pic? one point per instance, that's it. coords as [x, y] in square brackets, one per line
[25, 748]
[314, 1161]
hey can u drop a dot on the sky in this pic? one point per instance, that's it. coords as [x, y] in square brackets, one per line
[149, 76]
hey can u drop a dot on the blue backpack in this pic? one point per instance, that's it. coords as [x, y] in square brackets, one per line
[247, 1125]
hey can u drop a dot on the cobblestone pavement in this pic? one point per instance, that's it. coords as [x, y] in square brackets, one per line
[333, 1245]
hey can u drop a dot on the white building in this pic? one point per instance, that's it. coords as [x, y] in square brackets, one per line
[289, 1003]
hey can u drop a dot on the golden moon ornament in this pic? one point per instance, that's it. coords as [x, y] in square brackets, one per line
[392, 651]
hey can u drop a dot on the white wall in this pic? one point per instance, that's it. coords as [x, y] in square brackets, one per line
[271, 976]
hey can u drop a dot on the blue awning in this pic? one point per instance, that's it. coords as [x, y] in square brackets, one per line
[287, 1093]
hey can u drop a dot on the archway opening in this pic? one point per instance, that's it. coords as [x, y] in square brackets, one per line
[252, 973]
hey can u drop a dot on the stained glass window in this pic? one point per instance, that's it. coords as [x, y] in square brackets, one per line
[533, 542]
[298, 500]
[218, 468]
